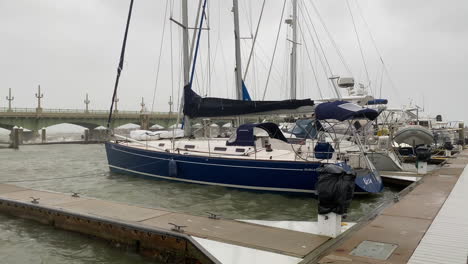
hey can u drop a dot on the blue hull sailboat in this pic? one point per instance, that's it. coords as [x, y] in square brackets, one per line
[256, 157]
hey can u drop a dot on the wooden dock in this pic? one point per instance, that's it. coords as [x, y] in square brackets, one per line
[153, 232]
[399, 231]
[403, 231]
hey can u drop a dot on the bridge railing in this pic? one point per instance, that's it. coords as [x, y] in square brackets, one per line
[73, 111]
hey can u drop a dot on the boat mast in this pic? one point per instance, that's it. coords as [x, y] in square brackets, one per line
[293, 66]
[186, 59]
[235, 10]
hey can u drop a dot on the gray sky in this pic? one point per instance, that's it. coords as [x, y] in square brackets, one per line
[71, 47]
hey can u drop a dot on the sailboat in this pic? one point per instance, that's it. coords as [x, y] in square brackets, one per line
[256, 157]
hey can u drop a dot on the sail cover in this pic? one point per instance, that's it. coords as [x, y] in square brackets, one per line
[343, 110]
[195, 106]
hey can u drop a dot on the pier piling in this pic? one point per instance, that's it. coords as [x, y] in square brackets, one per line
[43, 135]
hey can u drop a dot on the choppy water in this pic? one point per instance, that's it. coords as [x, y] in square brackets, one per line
[83, 169]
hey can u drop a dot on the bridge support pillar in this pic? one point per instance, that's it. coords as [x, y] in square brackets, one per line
[43, 135]
[15, 138]
[144, 121]
[86, 135]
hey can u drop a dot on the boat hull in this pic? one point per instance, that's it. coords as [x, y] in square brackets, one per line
[260, 175]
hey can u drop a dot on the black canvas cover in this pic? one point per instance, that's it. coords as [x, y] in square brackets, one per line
[196, 106]
[335, 189]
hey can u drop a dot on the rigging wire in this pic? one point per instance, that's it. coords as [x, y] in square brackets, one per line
[274, 50]
[360, 46]
[311, 64]
[338, 51]
[172, 61]
[160, 55]
[254, 40]
[207, 17]
[318, 39]
[377, 50]
[317, 51]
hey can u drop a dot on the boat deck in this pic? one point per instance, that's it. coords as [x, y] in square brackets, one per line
[427, 220]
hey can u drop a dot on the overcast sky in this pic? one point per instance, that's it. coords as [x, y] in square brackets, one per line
[71, 47]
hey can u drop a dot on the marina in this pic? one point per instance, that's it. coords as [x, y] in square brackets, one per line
[206, 236]
[245, 131]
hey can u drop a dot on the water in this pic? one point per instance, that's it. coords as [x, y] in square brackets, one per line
[83, 169]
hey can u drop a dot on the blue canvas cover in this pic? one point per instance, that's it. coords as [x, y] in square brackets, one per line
[377, 101]
[343, 110]
[245, 134]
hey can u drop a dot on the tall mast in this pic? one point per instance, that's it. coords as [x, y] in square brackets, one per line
[235, 10]
[186, 60]
[293, 66]
[185, 42]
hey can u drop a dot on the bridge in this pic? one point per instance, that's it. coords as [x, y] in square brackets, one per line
[35, 119]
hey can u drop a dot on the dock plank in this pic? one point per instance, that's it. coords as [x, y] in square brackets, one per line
[7, 188]
[446, 240]
[113, 210]
[272, 239]
[45, 198]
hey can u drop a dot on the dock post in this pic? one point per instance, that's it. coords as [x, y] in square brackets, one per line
[422, 167]
[206, 128]
[43, 135]
[20, 135]
[461, 134]
[15, 138]
[86, 135]
[329, 224]
[448, 153]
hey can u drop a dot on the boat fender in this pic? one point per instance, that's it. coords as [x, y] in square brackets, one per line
[172, 168]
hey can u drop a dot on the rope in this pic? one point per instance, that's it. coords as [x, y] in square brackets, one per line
[274, 50]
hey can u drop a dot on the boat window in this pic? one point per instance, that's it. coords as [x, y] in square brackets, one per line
[189, 146]
[240, 150]
[161, 144]
[220, 149]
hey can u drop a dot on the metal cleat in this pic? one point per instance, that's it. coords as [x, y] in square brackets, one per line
[75, 194]
[213, 216]
[177, 228]
[35, 200]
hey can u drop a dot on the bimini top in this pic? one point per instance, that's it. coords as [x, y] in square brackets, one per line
[343, 110]
[244, 135]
